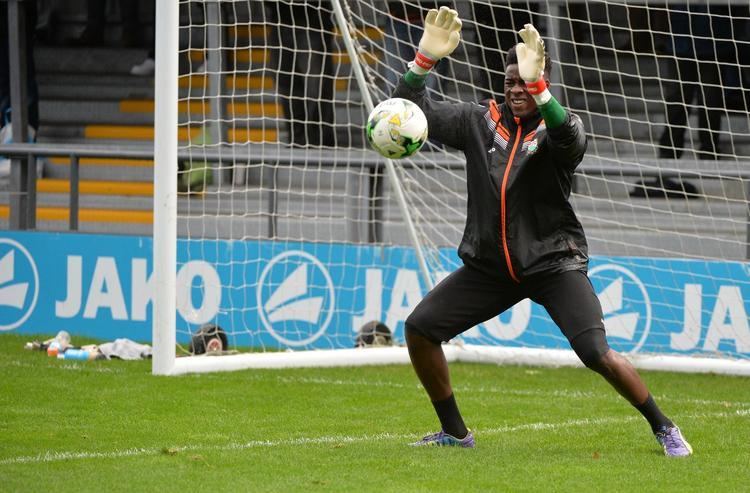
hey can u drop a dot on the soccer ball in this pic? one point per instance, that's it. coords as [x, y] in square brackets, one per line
[397, 128]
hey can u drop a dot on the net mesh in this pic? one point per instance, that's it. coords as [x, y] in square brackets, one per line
[293, 236]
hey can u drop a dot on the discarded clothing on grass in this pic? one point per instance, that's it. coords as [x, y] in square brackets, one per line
[125, 349]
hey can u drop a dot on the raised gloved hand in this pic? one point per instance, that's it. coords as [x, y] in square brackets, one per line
[530, 55]
[442, 33]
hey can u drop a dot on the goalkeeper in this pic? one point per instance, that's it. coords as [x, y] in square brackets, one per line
[522, 238]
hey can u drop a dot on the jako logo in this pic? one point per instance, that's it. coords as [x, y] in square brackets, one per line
[19, 284]
[295, 298]
[625, 304]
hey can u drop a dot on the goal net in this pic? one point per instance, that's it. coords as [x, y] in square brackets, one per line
[277, 223]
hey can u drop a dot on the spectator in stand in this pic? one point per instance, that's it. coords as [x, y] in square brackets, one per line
[93, 31]
[736, 76]
[45, 21]
[304, 64]
[96, 25]
[642, 32]
[130, 10]
[147, 66]
[131, 36]
[196, 17]
[32, 92]
[702, 40]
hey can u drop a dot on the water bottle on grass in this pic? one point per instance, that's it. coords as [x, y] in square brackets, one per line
[75, 354]
[59, 344]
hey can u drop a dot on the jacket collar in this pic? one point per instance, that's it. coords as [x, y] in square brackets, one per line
[511, 122]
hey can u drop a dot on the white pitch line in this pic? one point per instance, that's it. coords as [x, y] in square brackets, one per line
[333, 439]
[573, 394]
[68, 366]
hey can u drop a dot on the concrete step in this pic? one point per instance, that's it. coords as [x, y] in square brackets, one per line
[639, 126]
[95, 60]
[124, 204]
[620, 103]
[89, 60]
[145, 133]
[259, 112]
[96, 187]
[71, 112]
[61, 215]
[347, 136]
[57, 220]
[619, 187]
[628, 242]
[237, 108]
[627, 149]
[133, 170]
[99, 87]
[698, 217]
[117, 87]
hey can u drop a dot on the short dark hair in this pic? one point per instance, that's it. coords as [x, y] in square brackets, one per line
[512, 59]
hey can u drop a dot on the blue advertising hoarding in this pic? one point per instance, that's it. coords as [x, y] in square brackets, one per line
[315, 295]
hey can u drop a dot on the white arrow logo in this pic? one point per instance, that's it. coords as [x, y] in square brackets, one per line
[621, 325]
[291, 306]
[17, 297]
[632, 326]
[15, 294]
[294, 286]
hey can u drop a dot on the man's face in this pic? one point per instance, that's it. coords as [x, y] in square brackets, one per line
[517, 97]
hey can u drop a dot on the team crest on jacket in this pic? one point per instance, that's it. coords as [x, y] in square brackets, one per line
[530, 147]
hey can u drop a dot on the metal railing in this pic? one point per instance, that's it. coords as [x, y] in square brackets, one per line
[25, 155]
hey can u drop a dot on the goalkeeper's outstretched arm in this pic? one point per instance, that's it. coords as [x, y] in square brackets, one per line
[565, 129]
[442, 33]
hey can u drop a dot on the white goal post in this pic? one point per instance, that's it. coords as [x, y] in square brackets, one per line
[274, 221]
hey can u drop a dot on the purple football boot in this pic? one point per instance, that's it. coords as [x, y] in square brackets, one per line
[673, 442]
[442, 439]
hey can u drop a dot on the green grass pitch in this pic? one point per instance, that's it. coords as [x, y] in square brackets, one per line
[112, 426]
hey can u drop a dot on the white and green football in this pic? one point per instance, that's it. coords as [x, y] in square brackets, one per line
[397, 128]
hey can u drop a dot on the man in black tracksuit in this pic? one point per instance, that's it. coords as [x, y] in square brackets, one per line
[522, 238]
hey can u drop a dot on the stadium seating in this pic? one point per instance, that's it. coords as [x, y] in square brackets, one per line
[89, 97]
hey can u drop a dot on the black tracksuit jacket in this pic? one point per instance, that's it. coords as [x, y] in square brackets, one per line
[519, 221]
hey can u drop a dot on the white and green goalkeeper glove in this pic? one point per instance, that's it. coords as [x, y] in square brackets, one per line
[530, 55]
[442, 33]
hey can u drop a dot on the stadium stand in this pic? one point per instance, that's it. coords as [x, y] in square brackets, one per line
[88, 97]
